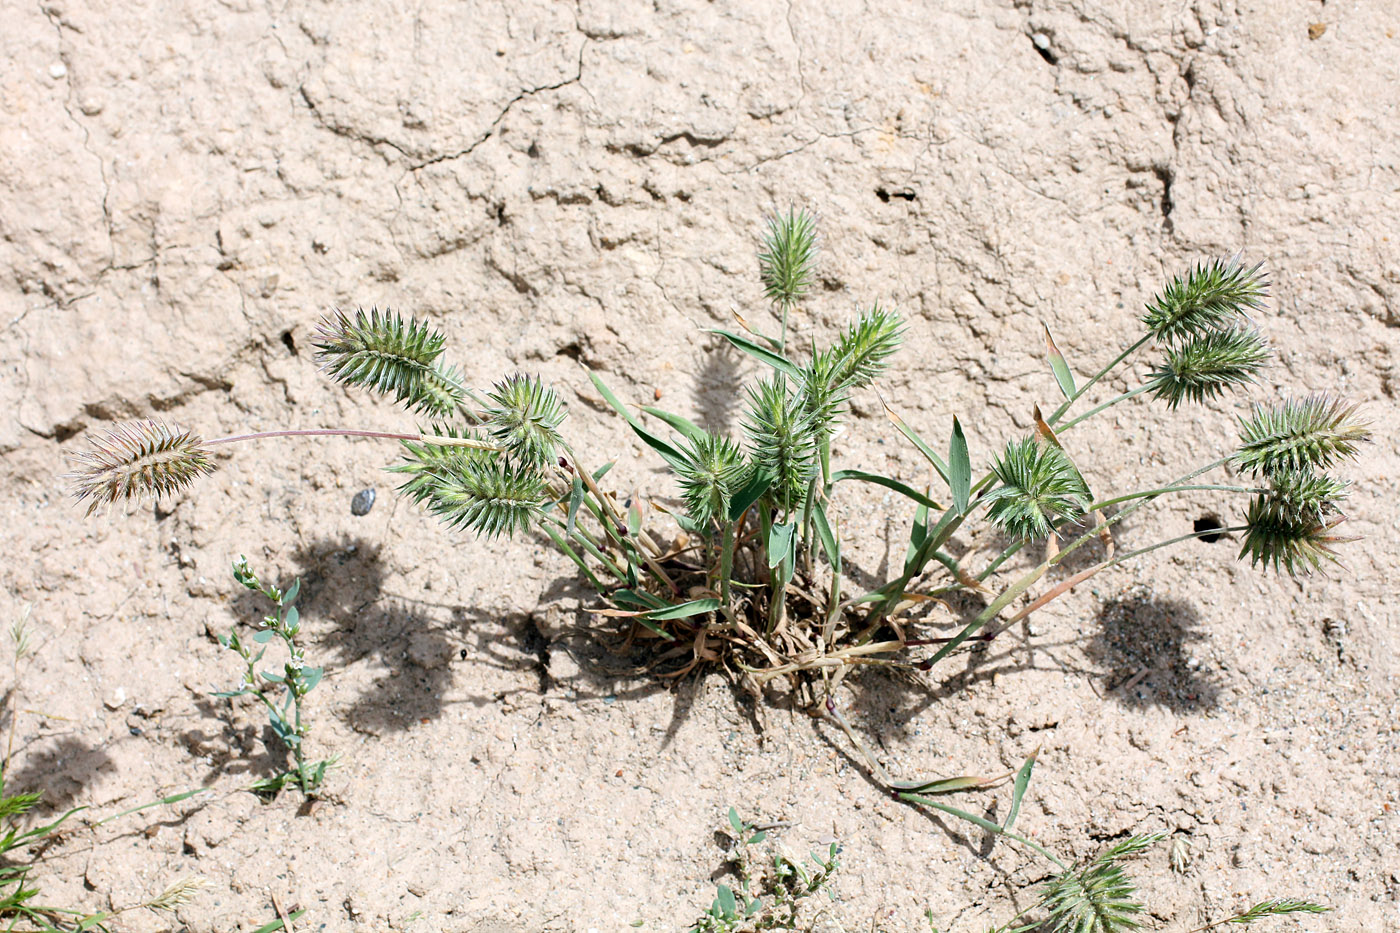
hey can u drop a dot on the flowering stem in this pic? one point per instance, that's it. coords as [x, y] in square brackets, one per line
[435, 439]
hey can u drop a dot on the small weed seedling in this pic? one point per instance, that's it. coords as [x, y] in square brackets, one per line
[295, 681]
[749, 573]
[767, 897]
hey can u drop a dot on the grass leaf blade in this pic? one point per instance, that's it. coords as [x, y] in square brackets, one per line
[1059, 367]
[959, 469]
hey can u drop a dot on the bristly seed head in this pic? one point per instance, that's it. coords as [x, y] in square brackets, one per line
[137, 460]
[1208, 297]
[1205, 366]
[1303, 434]
[1039, 486]
[382, 353]
[788, 256]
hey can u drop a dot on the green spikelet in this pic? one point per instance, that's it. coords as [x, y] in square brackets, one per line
[524, 418]
[382, 353]
[1205, 366]
[1305, 434]
[788, 256]
[715, 468]
[1039, 486]
[782, 440]
[1097, 897]
[1291, 527]
[1208, 297]
[862, 353]
[485, 494]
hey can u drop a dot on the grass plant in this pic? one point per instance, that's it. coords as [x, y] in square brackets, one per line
[745, 570]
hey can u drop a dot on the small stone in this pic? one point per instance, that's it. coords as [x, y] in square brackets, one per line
[363, 502]
[116, 700]
[57, 70]
[1042, 41]
[1315, 31]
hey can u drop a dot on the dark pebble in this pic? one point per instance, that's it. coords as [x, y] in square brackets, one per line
[363, 502]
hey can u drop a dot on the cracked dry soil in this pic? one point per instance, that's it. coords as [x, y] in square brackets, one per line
[185, 187]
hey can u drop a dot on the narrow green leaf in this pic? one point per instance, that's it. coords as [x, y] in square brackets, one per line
[640, 598]
[904, 489]
[603, 470]
[950, 785]
[782, 542]
[276, 925]
[735, 822]
[311, 676]
[670, 454]
[271, 677]
[263, 636]
[688, 429]
[634, 519]
[751, 492]
[293, 619]
[694, 607]
[1058, 366]
[830, 545]
[1023, 780]
[575, 500]
[758, 837]
[290, 596]
[918, 442]
[781, 363]
[959, 469]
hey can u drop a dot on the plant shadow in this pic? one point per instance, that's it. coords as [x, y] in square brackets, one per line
[1147, 647]
[716, 389]
[60, 768]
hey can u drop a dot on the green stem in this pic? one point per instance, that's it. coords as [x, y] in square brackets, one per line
[1108, 404]
[726, 568]
[1059, 412]
[433, 439]
[1149, 493]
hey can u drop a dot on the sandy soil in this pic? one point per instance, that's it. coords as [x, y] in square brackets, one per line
[185, 187]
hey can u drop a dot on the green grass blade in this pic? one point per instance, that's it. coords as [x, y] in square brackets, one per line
[824, 534]
[918, 442]
[1058, 366]
[668, 453]
[1018, 791]
[276, 925]
[959, 469]
[575, 500]
[904, 489]
[781, 363]
[752, 491]
[687, 428]
[685, 610]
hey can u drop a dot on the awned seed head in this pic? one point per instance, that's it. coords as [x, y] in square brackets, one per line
[137, 460]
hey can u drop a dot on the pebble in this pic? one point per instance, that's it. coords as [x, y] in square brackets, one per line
[363, 502]
[57, 70]
[115, 701]
[1042, 41]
